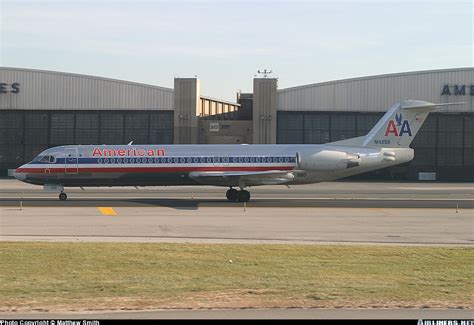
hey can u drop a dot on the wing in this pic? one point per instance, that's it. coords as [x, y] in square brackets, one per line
[242, 178]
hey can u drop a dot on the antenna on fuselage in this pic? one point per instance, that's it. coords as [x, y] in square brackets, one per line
[130, 143]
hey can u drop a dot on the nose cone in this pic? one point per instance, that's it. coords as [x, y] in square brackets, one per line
[19, 174]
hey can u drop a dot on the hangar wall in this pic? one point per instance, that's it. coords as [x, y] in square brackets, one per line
[51, 90]
[377, 93]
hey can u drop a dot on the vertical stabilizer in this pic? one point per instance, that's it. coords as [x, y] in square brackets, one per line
[399, 126]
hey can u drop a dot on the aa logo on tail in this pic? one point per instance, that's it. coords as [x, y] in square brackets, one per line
[397, 127]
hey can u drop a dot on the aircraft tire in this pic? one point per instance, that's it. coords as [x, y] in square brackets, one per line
[232, 195]
[62, 196]
[244, 196]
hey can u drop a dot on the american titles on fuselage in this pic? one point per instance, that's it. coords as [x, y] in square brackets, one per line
[129, 152]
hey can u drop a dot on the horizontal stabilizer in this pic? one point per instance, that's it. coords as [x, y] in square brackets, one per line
[425, 106]
[416, 104]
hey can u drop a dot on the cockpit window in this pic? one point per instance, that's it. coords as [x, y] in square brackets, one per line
[47, 159]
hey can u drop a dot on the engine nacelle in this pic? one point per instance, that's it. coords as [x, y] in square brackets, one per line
[326, 160]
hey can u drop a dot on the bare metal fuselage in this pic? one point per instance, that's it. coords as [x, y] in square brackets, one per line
[155, 165]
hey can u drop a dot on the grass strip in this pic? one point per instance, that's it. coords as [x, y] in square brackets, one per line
[110, 276]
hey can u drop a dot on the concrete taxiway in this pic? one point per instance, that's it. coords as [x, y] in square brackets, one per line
[340, 212]
[333, 194]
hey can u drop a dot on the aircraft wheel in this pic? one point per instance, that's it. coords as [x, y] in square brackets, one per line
[244, 196]
[232, 194]
[62, 196]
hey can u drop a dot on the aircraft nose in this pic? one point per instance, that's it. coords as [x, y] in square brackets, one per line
[19, 174]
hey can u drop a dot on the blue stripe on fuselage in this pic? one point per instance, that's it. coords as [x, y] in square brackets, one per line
[175, 160]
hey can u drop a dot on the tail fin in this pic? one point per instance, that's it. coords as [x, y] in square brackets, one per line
[398, 127]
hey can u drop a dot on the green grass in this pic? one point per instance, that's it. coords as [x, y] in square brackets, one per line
[94, 276]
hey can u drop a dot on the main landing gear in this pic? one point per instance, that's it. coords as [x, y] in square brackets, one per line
[241, 196]
[62, 196]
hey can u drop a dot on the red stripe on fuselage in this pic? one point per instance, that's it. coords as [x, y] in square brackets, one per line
[147, 169]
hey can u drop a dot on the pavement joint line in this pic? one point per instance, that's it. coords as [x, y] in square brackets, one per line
[256, 199]
[251, 206]
[219, 240]
[107, 211]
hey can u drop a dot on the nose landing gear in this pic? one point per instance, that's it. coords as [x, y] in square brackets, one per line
[237, 196]
[56, 188]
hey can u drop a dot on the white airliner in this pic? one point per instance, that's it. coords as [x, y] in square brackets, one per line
[233, 166]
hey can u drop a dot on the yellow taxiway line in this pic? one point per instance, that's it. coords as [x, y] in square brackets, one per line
[107, 211]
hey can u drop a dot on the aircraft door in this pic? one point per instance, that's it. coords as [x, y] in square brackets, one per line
[71, 161]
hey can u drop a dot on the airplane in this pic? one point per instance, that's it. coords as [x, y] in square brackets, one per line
[236, 166]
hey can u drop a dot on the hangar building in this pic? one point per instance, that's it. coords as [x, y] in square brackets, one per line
[41, 109]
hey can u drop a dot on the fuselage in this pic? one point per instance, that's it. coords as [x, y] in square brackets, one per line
[155, 165]
[386, 144]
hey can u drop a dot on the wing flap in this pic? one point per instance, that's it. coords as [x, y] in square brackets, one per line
[243, 178]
